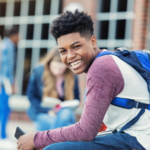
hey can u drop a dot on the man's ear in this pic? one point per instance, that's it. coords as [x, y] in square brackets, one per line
[94, 41]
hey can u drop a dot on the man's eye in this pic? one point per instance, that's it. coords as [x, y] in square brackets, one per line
[62, 51]
[75, 47]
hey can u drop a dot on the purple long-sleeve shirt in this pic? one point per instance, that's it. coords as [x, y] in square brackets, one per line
[104, 83]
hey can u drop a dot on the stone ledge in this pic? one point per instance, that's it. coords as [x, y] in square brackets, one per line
[19, 105]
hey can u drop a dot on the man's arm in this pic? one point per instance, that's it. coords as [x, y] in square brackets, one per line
[104, 82]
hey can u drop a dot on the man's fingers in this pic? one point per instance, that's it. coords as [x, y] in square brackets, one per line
[18, 147]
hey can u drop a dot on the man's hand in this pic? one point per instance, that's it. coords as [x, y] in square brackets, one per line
[26, 142]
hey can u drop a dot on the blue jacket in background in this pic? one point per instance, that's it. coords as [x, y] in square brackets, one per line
[7, 60]
[35, 92]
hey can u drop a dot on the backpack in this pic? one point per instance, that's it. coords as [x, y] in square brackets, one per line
[140, 61]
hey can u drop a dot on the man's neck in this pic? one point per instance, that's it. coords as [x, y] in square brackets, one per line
[97, 50]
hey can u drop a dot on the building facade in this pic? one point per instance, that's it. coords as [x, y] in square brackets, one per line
[117, 23]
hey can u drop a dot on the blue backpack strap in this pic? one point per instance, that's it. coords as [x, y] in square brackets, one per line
[129, 103]
[133, 121]
[138, 59]
[141, 63]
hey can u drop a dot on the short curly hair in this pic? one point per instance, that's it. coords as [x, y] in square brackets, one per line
[72, 22]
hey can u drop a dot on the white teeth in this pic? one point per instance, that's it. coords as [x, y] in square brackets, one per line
[75, 63]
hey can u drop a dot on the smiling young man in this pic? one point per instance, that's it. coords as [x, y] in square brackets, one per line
[77, 52]
[107, 77]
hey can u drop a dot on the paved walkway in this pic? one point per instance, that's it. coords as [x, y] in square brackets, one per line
[11, 127]
[25, 126]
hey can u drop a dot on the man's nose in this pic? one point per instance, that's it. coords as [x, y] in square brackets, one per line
[71, 54]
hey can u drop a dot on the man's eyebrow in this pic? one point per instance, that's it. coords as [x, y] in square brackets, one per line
[75, 43]
[71, 45]
[61, 48]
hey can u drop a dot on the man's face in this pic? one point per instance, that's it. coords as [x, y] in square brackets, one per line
[77, 52]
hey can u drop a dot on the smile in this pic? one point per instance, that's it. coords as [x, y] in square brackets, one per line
[75, 64]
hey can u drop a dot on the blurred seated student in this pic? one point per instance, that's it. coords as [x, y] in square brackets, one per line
[51, 78]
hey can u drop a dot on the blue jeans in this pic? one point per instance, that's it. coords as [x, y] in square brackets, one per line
[4, 112]
[64, 117]
[117, 141]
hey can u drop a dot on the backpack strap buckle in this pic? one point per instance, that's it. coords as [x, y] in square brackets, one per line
[138, 105]
[124, 50]
[134, 104]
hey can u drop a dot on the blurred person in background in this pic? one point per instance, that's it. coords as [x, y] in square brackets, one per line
[7, 67]
[51, 78]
